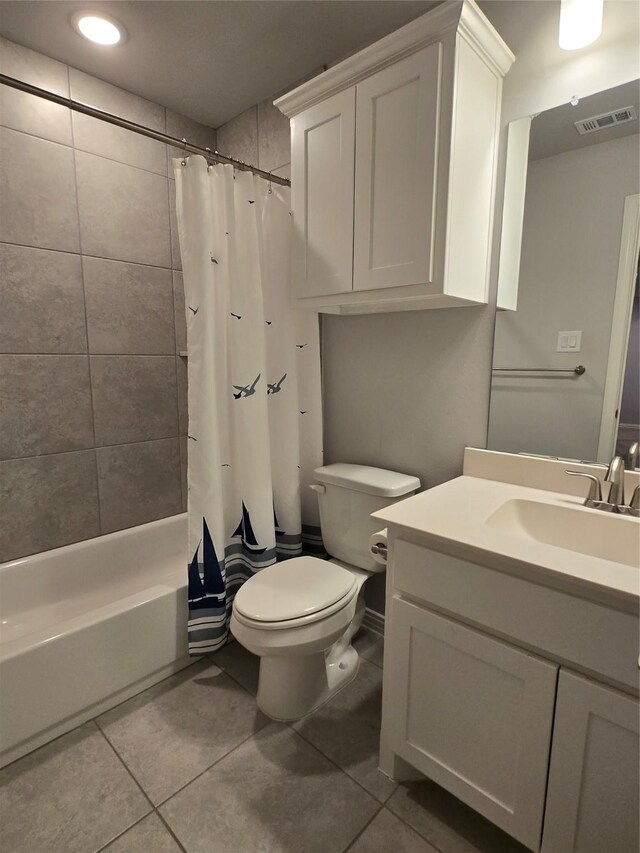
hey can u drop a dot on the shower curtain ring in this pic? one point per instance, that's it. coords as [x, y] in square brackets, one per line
[269, 185]
[208, 150]
[184, 152]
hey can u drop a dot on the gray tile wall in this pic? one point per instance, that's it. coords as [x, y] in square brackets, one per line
[259, 135]
[93, 402]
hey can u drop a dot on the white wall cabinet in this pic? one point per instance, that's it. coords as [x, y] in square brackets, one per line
[396, 137]
[394, 165]
[592, 802]
[323, 141]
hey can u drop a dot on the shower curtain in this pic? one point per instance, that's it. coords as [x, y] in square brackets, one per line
[255, 426]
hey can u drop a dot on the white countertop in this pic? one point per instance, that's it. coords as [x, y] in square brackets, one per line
[453, 518]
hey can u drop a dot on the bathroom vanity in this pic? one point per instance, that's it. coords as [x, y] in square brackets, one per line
[511, 651]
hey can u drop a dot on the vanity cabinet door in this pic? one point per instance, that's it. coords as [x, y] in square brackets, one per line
[473, 714]
[396, 155]
[322, 176]
[592, 801]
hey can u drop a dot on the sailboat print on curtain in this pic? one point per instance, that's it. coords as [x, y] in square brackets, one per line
[245, 531]
[207, 595]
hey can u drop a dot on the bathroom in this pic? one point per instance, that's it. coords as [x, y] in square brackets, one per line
[442, 707]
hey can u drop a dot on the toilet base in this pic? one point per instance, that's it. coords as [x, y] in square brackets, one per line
[292, 687]
[301, 673]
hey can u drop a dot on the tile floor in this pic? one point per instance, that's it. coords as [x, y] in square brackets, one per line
[191, 765]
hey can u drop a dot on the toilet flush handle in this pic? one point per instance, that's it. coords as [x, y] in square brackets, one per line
[318, 488]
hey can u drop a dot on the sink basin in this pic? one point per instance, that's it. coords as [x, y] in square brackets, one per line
[597, 534]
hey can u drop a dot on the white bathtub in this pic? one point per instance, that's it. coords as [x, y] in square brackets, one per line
[86, 626]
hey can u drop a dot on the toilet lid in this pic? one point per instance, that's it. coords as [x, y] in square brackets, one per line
[292, 589]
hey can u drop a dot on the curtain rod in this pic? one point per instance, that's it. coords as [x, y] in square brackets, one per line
[182, 144]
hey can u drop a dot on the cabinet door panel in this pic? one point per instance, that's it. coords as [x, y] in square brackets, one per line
[592, 802]
[322, 174]
[475, 715]
[396, 144]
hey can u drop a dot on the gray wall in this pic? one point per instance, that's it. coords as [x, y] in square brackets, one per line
[92, 393]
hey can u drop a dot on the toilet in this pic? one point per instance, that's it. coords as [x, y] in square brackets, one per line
[299, 616]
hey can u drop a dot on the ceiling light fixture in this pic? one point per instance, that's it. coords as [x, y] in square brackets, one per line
[580, 23]
[98, 28]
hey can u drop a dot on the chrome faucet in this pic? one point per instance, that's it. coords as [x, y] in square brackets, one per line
[615, 501]
[615, 476]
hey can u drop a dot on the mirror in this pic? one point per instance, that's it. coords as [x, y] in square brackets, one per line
[565, 366]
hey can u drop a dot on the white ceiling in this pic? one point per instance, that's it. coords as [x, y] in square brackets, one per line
[209, 60]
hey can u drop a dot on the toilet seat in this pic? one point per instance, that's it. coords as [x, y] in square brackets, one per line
[295, 592]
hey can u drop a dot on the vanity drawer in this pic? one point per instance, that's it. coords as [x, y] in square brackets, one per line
[472, 713]
[594, 638]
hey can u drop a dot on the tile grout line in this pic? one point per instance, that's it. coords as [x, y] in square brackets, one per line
[95, 447]
[86, 321]
[257, 108]
[206, 770]
[95, 354]
[197, 776]
[125, 765]
[335, 764]
[90, 153]
[170, 831]
[302, 737]
[384, 807]
[120, 834]
[363, 830]
[87, 255]
[407, 824]
[383, 804]
[253, 734]
[183, 497]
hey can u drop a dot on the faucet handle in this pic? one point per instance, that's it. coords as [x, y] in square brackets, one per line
[633, 507]
[594, 495]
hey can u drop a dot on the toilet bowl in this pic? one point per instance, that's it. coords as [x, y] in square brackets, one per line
[299, 616]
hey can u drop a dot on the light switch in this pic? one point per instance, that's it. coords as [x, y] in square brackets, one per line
[569, 341]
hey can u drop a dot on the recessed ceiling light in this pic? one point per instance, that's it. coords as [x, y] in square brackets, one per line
[99, 28]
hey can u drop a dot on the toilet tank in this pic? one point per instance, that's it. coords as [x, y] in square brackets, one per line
[347, 495]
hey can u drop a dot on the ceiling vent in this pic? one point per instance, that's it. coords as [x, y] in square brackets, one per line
[601, 122]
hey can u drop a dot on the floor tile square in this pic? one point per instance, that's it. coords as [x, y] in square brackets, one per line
[71, 796]
[347, 730]
[387, 833]
[447, 823]
[172, 732]
[148, 836]
[274, 794]
[240, 664]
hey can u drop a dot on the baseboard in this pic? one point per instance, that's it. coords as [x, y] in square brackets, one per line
[373, 621]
